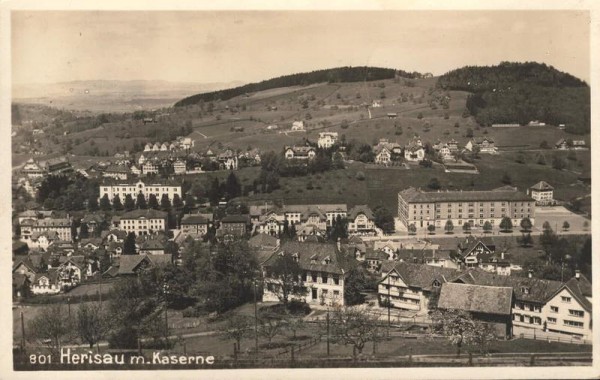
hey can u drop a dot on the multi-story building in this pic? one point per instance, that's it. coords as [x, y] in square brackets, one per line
[361, 220]
[133, 189]
[409, 286]
[300, 152]
[179, 167]
[32, 169]
[196, 225]
[327, 139]
[474, 207]
[119, 172]
[143, 222]
[542, 192]
[234, 225]
[324, 272]
[321, 215]
[62, 227]
[543, 305]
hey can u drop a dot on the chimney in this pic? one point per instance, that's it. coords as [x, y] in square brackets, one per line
[577, 274]
[339, 244]
[502, 255]
[530, 274]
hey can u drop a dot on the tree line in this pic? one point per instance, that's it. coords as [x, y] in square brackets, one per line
[522, 92]
[336, 75]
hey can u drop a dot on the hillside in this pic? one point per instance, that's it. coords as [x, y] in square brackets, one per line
[522, 92]
[336, 75]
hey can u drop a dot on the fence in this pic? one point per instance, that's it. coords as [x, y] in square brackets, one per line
[549, 337]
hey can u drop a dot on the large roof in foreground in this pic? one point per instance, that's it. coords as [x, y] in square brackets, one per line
[413, 195]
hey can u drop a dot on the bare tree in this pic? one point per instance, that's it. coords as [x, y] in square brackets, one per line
[92, 323]
[52, 327]
[354, 326]
[237, 328]
[270, 327]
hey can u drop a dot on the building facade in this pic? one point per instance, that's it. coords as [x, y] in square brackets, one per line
[143, 222]
[543, 193]
[327, 139]
[122, 190]
[473, 207]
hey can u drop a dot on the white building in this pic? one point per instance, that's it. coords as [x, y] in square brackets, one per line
[361, 220]
[324, 271]
[542, 192]
[179, 167]
[327, 139]
[122, 190]
[33, 169]
[143, 222]
[298, 126]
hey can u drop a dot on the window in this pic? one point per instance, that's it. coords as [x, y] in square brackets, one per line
[565, 299]
[314, 277]
[576, 313]
[552, 320]
[573, 324]
[524, 290]
[336, 280]
[336, 293]
[325, 279]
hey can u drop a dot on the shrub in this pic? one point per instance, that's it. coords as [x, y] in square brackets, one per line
[360, 176]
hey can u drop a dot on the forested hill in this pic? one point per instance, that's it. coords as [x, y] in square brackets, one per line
[522, 92]
[336, 75]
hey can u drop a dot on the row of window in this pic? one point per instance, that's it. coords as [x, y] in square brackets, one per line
[324, 278]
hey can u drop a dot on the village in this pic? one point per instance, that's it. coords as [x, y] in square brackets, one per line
[481, 254]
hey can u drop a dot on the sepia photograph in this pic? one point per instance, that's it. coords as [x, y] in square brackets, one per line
[207, 189]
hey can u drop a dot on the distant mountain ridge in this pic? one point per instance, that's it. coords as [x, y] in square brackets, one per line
[334, 75]
[107, 87]
[521, 92]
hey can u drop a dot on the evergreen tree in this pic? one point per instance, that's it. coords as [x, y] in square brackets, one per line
[92, 203]
[129, 202]
[165, 203]
[84, 232]
[190, 203]
[141, 202]
[292, 231]
[105, 203]
[449, 226]
[177, 202]
[233, 188]
[129, 244]
[214, 194]
[153, 202]
[117, 205]
[506, 224]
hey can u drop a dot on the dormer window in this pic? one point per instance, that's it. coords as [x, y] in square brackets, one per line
[295, 257]
[326, 260]
[313, 259]
[436, 284]
[525, 289]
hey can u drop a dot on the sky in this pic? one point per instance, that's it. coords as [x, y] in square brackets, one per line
[213, 46]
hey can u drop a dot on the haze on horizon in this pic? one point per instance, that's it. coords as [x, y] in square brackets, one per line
[249, 46]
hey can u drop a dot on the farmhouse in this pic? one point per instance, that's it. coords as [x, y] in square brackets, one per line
[489, 304]
[543, 305]
[327, 139]
[234, 225]
[543, 193]
[474, 207]
[321, 215]
[324, 271]
[386, 152]
[409, 286]
[133, 189]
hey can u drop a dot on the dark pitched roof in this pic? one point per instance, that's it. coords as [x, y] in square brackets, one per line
[129, 263]
[376, 255]
[542, 186]
[360, 209]
[263, 240]
[413, 195]
[148, 214]
[312, 257]
[581, 289]
[525, 288]
[476, 298]
[195, 219]
[241, 218]
[422, 275]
